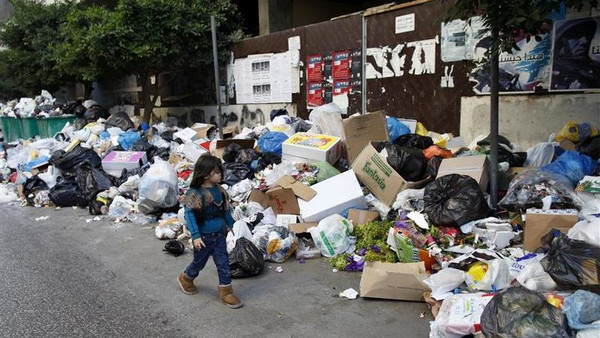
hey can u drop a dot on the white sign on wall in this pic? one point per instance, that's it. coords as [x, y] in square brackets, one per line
[405, 23]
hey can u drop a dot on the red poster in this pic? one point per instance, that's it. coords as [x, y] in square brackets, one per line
[341, 87]
[341, 65]
[314, 95]
[314, 72]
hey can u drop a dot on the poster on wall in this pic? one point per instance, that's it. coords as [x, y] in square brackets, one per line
[314, 97]
[460, 37]
[576, 55]
[263, 78]
[520, 71]
[341, 65]
[314, 71]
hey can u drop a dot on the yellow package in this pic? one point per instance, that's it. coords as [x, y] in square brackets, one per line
[576, 132]
[478, 271]
[421, 130]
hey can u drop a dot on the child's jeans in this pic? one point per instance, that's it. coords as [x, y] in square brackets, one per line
[217, 247]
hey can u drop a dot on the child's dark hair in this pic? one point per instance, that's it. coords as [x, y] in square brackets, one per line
[205, 165]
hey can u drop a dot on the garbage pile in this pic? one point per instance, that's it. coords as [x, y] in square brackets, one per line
[44, 105]
[407, 207]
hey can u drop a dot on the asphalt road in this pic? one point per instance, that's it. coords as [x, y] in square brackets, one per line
[65, 277]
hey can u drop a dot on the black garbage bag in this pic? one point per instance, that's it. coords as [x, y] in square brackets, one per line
[231, 151]
[414, 141]
[433, 166]
[174, 247]
[513, 159]
[268, 159]
[246, 259]
[246, 156]
[74, 108]
[97, 207]
[96, 112]
[454, 200]
[66, 193]
[488, 141]
[119, 120]
[572, 264]
[518, 312]
[163, 153]
[278, 112]
[67, 162]
[591, 147]
[31, 186]
[167, 135]
[143, 145]
[235, 172]
[91, 181]
[408, 162]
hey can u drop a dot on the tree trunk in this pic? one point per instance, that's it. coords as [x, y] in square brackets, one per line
[87, 90]
[494, 107]
[146, 97]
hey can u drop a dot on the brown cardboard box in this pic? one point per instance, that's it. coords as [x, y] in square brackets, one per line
[203, 130]
[300, 189]
[360, 217]
[374, 172]
[301, 228]
[281, 200]
[402, 281]
[475, 166]
[567, 145]
[362, 129]
[220, 145]
[539, 222]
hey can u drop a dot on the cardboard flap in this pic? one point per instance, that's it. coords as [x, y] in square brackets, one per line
[259, 197]
[360, 217]
[283, 201]
[300, 228]
[362, 129]
[402, 281]
[301, 190]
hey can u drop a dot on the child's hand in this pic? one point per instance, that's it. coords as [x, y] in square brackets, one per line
[199, 244]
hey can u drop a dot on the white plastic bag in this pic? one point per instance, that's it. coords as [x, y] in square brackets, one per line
[459, 315]
[534, 278]
[497, 277]
[410, 200]
[121, 207]
[332, 235]
[540, 154]
[587, 231]
[240, 229]
[158, 187]
[131, 184]
[444, 282]
[327, 119]
[50, 176]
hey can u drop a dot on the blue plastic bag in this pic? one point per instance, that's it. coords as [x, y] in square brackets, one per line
[582, 310]
[271, 142]
[396, 128]
[128, 139]
[34, 163]
[572, 165]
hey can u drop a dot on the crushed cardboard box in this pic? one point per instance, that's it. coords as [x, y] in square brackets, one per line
[361, 130]
[360, 217]
[401, 281]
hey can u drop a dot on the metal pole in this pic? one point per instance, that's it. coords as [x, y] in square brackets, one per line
[363, 56]
[213, 28]
[494, 115]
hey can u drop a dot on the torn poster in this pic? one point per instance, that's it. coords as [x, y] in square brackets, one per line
[341, 88]
[454, 38]
[263, 78]
[423, 58]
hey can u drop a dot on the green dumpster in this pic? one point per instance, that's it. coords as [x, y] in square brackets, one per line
[29, 127]
[49, 126]
[11, 128]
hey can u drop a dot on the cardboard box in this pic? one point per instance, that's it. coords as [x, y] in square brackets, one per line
[401, 281]
[300, 189]
[116, 161]
[360, 217]
[539, 222]
[475, 166]
[311, 148]
[193, 150]
[204, 130]
[186, 135]
[217, 148]
[374, 172]
[361, 130]
[281, 200]
[334, 195]
[301, 228]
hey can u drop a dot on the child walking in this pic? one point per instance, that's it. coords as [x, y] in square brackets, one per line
[208, 217]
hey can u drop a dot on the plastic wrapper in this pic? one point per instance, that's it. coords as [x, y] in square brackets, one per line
[128, 139]
[414, 141]
[307, 249]
[324, 171]
[583, 310]
[332, 236]
[570, 262]
[528, 189]
[396, 128]
[576, 132]
[271, 142]
[278, 171]
[276, 243]
[120, 120]
[572, 165]
[158, 187]
[459, 315]
[518, 312]
[245, 259]
[327, 120]
[121, 207]
[454, 200]
[436, 151]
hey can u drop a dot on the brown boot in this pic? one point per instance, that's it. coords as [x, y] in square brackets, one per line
[187, 284]
[227, 297]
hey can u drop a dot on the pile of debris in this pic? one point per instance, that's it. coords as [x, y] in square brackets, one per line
[408, 207]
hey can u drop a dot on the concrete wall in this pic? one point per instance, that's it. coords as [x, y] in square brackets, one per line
[528, 119]
[246, 115]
